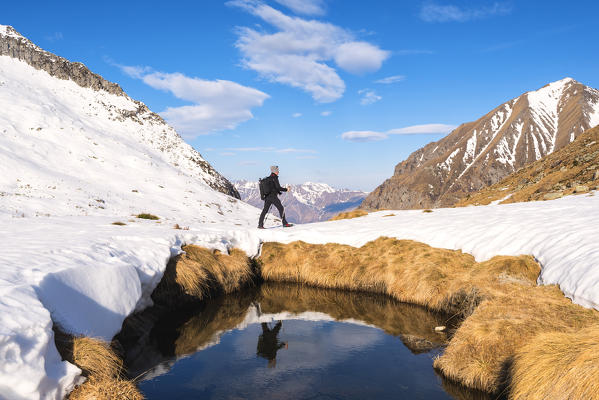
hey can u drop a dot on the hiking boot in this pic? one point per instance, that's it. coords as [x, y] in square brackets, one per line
[261, 227]
[287, 225]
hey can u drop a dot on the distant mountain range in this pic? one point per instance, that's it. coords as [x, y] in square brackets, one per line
[308, 202]
[480, 153]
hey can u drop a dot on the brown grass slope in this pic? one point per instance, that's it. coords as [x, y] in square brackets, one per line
[503, 306]
[572, 169]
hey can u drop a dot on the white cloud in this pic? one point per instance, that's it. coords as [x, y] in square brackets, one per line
[296, 115]
[271, 150]
[423, 129]
[299, 51]
[306, 7]
[360, 57]
[246, 163]
[370, 136]
[391, 79]
[432, 12]
[217, 105]
[368, 97]
[326, 113]
[292, 150]
[363, 136]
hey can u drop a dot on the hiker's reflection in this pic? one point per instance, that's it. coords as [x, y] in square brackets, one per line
[268, 343]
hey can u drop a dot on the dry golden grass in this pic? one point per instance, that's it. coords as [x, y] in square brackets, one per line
[576, 164]
[413, 272]
[100, 365]
[349, 215]
[96, 358]
[558, 365]
[147, 216]
[503, 306]
[486, 341]
[106, 389]
[200, 273]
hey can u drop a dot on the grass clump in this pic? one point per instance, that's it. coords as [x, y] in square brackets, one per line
[147, 216]
[349, 215]
[119, 223]
[200, 273]
[102, 367]
[427, 210]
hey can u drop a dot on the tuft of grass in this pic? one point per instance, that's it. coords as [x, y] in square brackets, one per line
[147, 216]
[119, 223]
[558, 365]
[200, 273]
[349, 215]
[106, 389]
[100, 364]
[389, 215]
[428, 210]
[184, 228]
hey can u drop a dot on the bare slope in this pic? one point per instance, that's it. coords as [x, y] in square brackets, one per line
[572, 169]
[480, 153]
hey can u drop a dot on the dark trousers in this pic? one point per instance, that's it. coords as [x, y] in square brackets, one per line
[272, 199]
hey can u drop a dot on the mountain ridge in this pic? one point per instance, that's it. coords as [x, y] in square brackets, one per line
[481, 152]
[179, 153]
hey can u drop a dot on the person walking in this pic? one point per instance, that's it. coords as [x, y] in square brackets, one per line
[273, 190]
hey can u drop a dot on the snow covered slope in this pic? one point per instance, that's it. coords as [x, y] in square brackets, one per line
[75, 150]
[481, 153]
[307, 202]
[59, 115]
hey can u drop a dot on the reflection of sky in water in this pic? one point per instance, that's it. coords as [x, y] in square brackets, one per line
[327, 360]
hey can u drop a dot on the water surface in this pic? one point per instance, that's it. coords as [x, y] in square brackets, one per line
[290, 342]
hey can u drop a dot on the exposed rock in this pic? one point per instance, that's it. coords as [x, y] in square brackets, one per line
[553, 195]
[581, 189]
[480, 153]
[596, 176]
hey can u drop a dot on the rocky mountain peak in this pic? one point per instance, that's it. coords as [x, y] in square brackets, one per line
[481, 153]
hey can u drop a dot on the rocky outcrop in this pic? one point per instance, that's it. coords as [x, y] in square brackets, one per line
[14, 45]
[480, 153]
[153, 129]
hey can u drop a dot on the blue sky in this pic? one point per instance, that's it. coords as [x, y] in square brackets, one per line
[336, 91]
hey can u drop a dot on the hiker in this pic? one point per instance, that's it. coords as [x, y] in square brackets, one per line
[268, 343]
[273, 189]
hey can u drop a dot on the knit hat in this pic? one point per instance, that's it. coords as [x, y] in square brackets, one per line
[274, 169]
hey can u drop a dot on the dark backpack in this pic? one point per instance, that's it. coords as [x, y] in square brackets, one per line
[265, 187]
